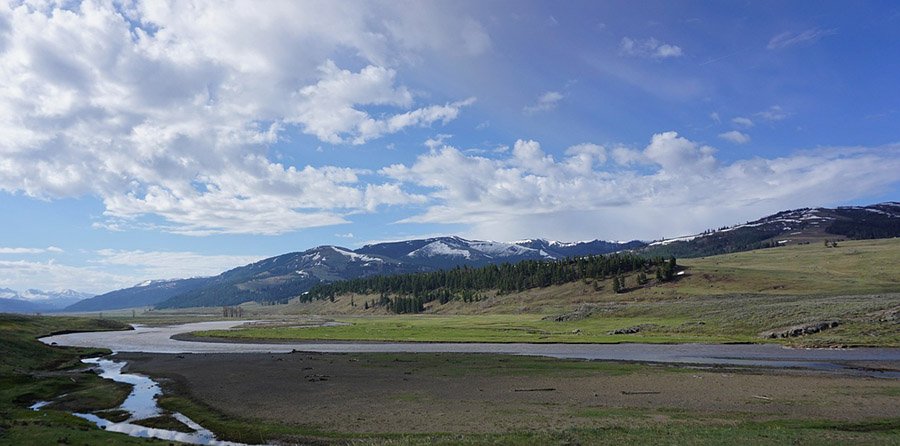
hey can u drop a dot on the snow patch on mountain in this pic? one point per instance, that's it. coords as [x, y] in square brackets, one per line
[685, 238]
[354, 256]
[499, 249]
[439, 248]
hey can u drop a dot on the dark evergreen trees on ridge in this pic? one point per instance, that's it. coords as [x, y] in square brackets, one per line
[412, 291]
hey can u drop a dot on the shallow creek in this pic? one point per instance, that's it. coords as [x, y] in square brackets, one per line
[141, 404]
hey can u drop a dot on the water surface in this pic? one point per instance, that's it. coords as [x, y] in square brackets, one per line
[880, 362]
[141, 403]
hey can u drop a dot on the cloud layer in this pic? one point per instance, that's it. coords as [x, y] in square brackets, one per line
[167, 109]
[667, 188]
[109, 269]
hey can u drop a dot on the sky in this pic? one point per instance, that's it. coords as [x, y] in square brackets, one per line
[152, 140]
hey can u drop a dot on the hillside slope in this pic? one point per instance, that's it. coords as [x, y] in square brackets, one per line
[283, 277]
[794, 227]
[146, 294]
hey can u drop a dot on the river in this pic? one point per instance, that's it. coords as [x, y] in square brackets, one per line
[876, 362]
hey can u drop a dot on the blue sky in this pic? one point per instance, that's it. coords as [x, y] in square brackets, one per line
[153, 140]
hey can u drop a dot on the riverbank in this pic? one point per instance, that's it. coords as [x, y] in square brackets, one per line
[853, 321]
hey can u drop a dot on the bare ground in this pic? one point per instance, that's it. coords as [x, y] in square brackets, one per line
[362, 393]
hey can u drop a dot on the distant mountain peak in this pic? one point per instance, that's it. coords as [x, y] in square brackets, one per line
[35, 300]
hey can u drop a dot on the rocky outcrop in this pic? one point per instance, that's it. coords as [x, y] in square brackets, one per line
[799, 330]
[631, 330]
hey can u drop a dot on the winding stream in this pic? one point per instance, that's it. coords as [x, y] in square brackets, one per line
[141, 404]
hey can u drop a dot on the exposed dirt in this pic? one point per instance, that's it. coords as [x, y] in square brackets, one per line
[482, 393]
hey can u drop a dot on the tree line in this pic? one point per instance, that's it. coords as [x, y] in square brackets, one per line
[468, 284]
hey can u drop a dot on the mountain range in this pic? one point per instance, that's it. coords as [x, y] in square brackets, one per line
[38, 301]
[798, 226]
[280, 278]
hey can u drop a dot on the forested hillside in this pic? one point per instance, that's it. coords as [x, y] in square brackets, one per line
[408, 293]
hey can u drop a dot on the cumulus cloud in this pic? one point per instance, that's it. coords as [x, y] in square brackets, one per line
[670, 187]
[789, 39]
[735, 137]
[649, 48]
[167, 109]
[674, 153]
[545, 102]
[330, 109]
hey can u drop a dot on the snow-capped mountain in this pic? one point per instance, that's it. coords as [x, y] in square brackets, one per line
[289, 275]
[797, 226]
[286, 275]
[32, 300]
[282, 277]
[559, 250]
[451, 251]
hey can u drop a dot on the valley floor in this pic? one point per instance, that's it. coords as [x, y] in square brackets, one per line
[457, 398]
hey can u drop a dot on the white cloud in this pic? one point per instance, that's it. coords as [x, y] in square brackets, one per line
[171, 264]
[330, 108]
[789, 38]
[741, 121]
[675, 186]
[114, 269]
[650, 48]
[625, 156]
[545, 102]
[715, 117]
[50, 249]
[735, 137]
[774, 113]
[22, 274]
[674, 153]
[438, 141]
[584, 157]
[167, 109]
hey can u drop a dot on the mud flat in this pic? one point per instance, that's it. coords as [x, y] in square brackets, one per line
[480, 393]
